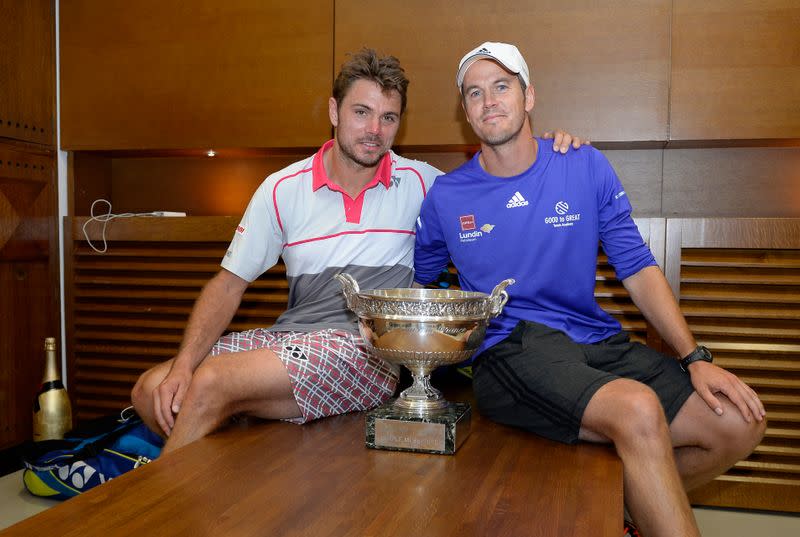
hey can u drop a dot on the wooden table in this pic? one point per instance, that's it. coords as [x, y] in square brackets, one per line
[280, 479]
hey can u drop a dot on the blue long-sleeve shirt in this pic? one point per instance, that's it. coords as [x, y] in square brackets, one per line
[541, 228]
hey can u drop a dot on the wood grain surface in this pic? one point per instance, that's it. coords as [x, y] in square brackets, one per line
[275, 478]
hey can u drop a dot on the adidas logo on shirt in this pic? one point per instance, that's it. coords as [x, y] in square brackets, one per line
[516, 201]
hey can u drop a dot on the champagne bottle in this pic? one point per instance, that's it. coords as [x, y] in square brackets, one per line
[52, 414]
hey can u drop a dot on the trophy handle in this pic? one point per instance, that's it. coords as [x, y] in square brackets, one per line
[349, 287]
[499, 297]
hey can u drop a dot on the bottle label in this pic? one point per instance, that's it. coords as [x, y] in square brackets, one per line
[46, 387]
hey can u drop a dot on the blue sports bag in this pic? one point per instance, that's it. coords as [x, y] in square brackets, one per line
[88, 455]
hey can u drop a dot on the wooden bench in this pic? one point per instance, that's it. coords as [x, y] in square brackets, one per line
[275, 478]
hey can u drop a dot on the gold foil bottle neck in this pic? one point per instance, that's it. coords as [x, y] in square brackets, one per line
[52, 369]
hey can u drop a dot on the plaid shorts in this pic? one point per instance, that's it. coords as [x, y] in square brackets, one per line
[330, 370]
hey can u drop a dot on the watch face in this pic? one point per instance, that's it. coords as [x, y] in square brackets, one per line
[700, 353]
[704, 354]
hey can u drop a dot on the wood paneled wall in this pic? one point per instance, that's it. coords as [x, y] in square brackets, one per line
[28, 233]
[609, 85]
[735, 70]
[208, 74]
[736, 181]
[149, 75]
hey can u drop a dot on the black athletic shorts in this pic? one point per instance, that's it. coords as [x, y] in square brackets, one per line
[540, 380]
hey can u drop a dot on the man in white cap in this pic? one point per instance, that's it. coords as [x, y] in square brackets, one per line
[554, 362]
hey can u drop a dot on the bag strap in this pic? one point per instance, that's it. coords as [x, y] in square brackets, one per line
[85, 449]
[93, 446]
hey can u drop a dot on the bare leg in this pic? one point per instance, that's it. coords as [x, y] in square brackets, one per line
[252, 382]
[630, 415]
[706, 444]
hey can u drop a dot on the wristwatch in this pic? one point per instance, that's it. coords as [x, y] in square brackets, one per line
[699, 354]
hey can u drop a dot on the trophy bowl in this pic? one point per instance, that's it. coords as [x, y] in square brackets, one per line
[422, 329]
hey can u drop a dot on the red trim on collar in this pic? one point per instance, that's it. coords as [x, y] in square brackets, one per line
[383, 173]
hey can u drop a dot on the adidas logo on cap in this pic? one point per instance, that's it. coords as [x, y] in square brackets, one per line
[516, 201]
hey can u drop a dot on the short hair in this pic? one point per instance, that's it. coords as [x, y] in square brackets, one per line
[367, 65]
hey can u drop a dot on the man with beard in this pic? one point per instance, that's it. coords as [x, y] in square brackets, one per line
[350, 208]
[554, 362]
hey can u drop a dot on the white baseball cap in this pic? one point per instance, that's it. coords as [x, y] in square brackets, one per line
[506, 55]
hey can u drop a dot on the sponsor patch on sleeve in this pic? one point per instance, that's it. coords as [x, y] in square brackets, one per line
[240, 229]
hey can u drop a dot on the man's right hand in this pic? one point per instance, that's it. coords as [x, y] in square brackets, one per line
[168, 396]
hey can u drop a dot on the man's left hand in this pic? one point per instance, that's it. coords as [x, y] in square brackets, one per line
[709, 379]
[562, 140]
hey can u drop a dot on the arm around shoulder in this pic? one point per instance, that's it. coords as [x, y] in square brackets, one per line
[430, 247]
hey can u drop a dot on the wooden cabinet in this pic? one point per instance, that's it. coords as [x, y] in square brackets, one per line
[735, 70]
[207, 74]
[27, 71]
[28, 282]
[28, 228]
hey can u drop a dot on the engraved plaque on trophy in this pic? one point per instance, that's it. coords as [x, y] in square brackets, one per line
[421, 329]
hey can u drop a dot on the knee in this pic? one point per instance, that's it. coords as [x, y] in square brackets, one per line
[204, 393]
[141, 394]
[641, 418]
[739, 437]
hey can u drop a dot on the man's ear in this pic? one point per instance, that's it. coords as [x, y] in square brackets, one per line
[530, 98]
[333, 111]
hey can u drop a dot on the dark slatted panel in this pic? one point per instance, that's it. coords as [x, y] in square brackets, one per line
[131, 305]
[614, 298]
[745, 306]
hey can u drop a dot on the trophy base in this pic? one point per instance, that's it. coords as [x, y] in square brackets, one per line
[441, 432]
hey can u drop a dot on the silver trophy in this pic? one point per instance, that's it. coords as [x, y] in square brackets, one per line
[421, 329]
